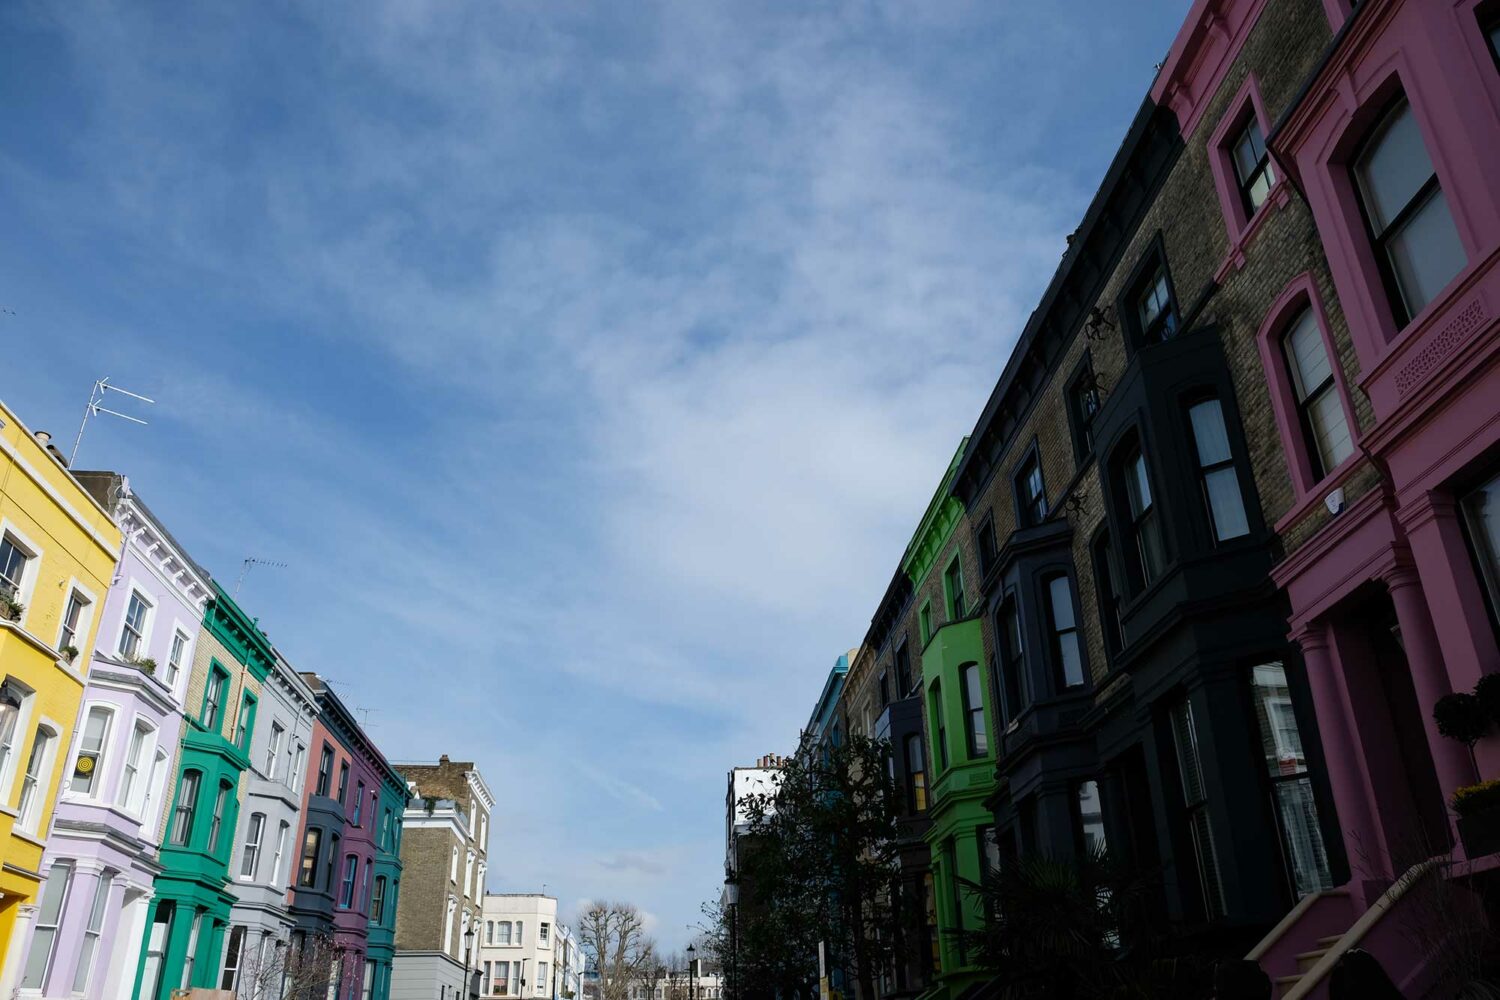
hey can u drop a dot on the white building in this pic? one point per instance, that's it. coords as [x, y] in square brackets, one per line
[521, 947]
[678, 985]
[743, 783]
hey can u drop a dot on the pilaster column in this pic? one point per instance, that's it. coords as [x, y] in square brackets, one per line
[15, 951]
[1424, 658]
[1348, 776]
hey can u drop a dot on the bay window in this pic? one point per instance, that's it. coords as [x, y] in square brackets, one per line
[307, 874]
[973, 695]
[1150, 556]
[1416, 242]
[1067, 650]
[216, 822]
[916, 775]
[90, 760]
[939, 729]
[1012, 663]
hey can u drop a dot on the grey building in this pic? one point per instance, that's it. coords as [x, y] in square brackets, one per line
[260, 924]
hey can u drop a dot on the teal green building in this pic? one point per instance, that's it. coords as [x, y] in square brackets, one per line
[185, 935]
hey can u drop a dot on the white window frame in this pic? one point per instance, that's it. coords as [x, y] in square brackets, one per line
[132, 799]
[250, 852]
[283, 828]
[85, 618]
[155, 784]
[184, 668]
[30, 571]
[135, 590]
[29, 813]
[11, 763]
[92, 930]
[273, 747]
[95, 792]
[67, 868]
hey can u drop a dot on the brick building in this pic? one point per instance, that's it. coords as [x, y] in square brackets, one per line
[444, 858]
[1193, 457]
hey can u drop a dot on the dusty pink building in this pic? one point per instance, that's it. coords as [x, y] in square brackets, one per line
[1391, 569]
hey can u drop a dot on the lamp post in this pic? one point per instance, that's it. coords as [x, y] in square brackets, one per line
[468, 951]
[692, 972]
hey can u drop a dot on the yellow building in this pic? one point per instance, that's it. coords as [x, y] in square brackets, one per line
[58, 550]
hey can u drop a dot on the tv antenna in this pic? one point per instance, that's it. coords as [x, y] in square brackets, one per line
[96, 406]
[253, 561]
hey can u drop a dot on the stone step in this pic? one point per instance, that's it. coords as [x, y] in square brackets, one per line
[1307, 959]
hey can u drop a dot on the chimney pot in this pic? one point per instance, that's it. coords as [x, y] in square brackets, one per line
[42, 437]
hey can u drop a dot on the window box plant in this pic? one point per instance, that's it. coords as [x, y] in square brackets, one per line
[1478, 810]
[145, 664]
[10, 608]
[69, 653]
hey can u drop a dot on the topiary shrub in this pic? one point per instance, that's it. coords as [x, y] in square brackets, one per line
[1461, 717]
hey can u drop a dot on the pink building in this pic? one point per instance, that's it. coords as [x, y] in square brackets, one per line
[1393, 550]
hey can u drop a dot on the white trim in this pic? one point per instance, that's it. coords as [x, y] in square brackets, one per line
[85, 622]
[133, 588]
[93, 796]
[23, 726]
[52, 494]
[45, 722]
[29, 574]
[185, 668]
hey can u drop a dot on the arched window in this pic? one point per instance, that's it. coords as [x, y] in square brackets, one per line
[186, 808]
[34, 779]
[87, 779]
[1320, 409]
[939, 727]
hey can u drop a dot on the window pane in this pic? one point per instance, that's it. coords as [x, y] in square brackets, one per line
[1091, 816]
[1061, 599]
[1426, 253]
[1330, 428]
[1393, 168]
[1248, 151]
[1209, 434]
[1072, 659]
[1137, 485]
[1225, 504]
[1306, 355]
[1304, 841]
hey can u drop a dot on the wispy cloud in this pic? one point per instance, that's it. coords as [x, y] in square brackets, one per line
[588, 364]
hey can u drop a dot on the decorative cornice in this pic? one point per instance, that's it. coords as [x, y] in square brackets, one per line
[239, 633]
[943, 513]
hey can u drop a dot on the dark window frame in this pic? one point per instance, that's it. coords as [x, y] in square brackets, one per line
[1055, 633]
[954, 600]
[1374, 129]
[1137, 577]
[913, 741]
[1107, 592]
[1031, 507]
[986, 544]
[1190, 400]
[1250, 120]
[1153, 261]
[1011, 663]
[901, 661]
[1082, 386]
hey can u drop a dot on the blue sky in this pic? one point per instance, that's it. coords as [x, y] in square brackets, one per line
[588, 363]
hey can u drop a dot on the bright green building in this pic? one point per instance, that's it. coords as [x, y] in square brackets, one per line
[957, 709]
[190, 914]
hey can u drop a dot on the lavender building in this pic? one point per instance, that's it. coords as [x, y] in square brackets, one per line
[101, 859]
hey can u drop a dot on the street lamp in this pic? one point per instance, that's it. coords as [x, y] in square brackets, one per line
[468, 949]
[692, 972]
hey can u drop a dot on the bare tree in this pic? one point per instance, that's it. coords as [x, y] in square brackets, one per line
[289, 972]
[614, 937]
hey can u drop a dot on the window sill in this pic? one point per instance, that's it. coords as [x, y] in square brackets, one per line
[1276, 199]
[1307, 499]
[30, 838]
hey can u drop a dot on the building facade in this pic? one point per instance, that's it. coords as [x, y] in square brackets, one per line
[186, 937]
[517, 945]
[58, 552]
[444, 859]
[103, 848]
[386, 892]
[1392, 565]
[270, 820]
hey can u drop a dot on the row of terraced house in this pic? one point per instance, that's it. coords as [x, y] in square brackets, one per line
[183, 812]
[1228, 527]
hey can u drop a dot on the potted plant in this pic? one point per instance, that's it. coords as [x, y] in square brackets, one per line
[10, 608]
[147, 665]
[70, 653]
[1478, 809]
